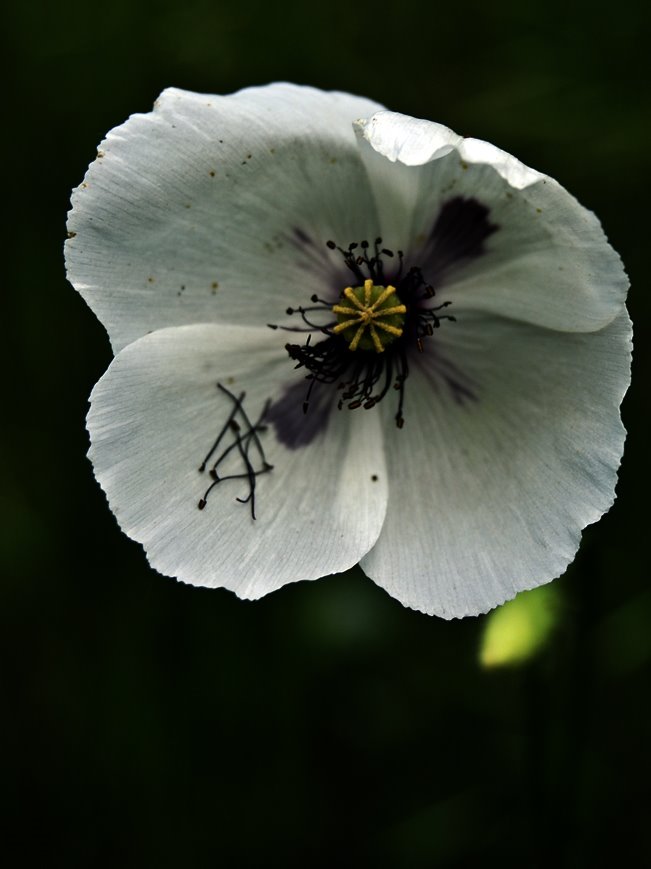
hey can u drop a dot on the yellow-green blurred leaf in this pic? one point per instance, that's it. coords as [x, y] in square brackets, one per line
[518, 630]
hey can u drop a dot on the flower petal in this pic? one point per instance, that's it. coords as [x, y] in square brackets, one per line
[203, 208]
[154, 416]
[415, 142]
[549, 262]
[488, 496]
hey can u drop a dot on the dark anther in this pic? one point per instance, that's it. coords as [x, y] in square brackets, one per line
[352, 245]
[364, 244]
[387, 252]
[331, 245]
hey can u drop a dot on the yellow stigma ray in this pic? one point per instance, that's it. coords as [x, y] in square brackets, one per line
[371, 308]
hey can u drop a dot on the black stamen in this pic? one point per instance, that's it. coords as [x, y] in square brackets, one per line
[245, 434]
[364, 377]
[237, 402]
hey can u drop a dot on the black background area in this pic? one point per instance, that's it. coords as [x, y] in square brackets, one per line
[153, 724]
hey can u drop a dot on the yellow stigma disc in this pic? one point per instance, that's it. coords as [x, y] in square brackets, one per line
[369, 317]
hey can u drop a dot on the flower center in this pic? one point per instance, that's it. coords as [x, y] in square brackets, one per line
[386, 316]
[369, 317]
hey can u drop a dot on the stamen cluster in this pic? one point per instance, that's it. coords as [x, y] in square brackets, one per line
[364, 364]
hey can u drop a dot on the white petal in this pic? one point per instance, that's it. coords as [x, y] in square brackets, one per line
[489, 497]
[154, 416]
[414, 142]
[197, 210]
[548, 263]
[410, 141]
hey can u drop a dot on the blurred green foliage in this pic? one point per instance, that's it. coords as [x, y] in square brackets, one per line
[151, 724]
[520, 629]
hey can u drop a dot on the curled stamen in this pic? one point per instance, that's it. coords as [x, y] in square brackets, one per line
[246, 435]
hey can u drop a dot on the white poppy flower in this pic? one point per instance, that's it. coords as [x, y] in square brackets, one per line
[439, 398]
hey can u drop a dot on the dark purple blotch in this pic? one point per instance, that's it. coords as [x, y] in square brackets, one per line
[296, 428]
[457, 237]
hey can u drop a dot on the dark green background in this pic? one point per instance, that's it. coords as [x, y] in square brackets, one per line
[153, 724]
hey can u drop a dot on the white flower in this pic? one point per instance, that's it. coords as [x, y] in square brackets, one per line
[203, 222]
